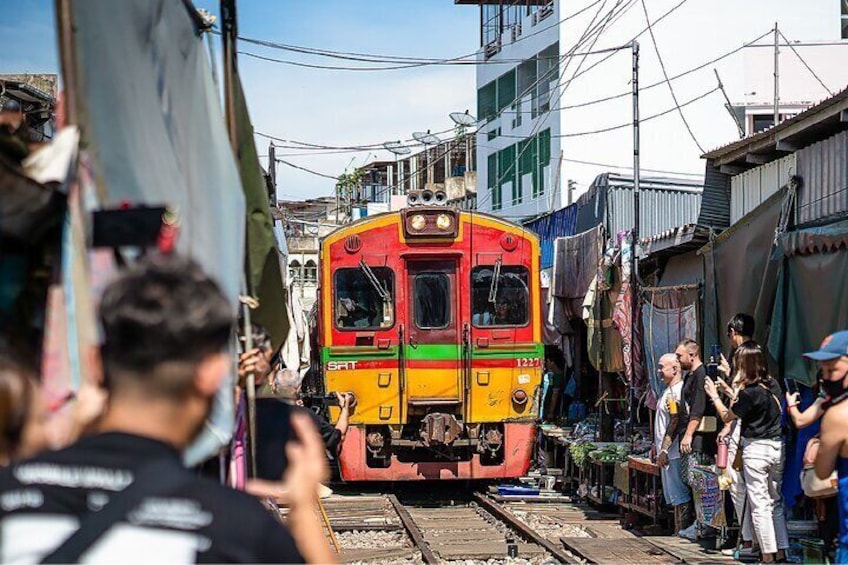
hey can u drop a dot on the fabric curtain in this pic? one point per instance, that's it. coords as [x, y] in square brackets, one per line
[669, 315]
[629, 329]
[576, 261]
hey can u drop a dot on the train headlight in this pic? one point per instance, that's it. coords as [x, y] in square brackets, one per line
[444, 222]
[417, 222]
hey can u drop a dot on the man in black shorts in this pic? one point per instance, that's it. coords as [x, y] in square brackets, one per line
[123, 494]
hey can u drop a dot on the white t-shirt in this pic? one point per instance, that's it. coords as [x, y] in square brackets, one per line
[662, 419]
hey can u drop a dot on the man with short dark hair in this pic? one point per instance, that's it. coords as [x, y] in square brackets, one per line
[124, 492]
[698, 436]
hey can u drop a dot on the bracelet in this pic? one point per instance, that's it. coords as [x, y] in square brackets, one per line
[792, 405]
[714, 398]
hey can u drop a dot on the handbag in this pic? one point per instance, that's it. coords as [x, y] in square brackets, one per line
[813, 486]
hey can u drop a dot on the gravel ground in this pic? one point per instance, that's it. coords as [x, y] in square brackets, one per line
[372, 539]
[550, 527]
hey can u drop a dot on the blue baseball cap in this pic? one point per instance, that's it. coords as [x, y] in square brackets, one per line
[834, 346]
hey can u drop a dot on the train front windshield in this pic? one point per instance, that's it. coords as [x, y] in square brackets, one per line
[359, 303]
[502, 300]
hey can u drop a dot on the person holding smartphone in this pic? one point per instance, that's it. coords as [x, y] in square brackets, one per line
[758, 409]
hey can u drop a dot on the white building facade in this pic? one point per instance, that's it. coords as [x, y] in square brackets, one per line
[550, 113]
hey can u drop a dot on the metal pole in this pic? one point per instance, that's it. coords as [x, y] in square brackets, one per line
[776, 75]
[272, 172]
[229, 33]
[634, 276]
[68, 60]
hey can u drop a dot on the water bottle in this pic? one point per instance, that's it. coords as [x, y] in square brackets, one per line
[721, 457]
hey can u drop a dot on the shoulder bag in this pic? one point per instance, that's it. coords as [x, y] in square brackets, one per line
[813, 486]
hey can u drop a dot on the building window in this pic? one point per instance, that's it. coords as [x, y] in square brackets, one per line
[844, 15]
[507, 172]
[295, 270]
[487, 101]
[760, 122]
[492, 181]
[543, 143]
[310, 271]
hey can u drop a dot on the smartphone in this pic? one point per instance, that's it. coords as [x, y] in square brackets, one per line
[715, 352]
[273, 433]
[791, 385]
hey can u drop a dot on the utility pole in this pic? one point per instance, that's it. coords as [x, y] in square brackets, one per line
[632, 403]
[272, 172]
[571, 188]
[776, 75]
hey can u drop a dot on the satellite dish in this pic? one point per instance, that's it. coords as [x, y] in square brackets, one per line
[426, 138]
[463, 118]
[397, 148]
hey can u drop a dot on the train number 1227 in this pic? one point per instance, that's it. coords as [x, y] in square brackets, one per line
[522, 362]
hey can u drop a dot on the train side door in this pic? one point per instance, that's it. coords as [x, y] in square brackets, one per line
[433, 351]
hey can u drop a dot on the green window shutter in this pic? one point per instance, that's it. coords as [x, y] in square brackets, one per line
[544, 152]
[487, 101]
[506, 90]
[492, 177]
[506, 168]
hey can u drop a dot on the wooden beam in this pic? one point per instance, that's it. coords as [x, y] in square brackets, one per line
[731, 170]
[787, 146]
[757, 158]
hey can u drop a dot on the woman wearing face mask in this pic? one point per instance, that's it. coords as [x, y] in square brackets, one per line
[832, 356]
[757, 407]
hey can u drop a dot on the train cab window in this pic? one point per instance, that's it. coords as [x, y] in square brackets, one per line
[432, 301]
[364, 298]
[509, 289]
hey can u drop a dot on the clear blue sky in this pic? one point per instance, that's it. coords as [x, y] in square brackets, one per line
[318, 106]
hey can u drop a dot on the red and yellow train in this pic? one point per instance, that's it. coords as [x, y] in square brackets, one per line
[431, 317]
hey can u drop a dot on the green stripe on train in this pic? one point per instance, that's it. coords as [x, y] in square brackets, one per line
[427, 352]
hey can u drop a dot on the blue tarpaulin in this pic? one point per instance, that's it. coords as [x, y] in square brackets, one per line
[561, 223]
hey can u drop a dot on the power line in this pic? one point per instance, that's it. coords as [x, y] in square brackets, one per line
[418, 61]
[800, 58]
[668, 82]
[597, 32]
[628, 124]
[316, 173]
[675, 77]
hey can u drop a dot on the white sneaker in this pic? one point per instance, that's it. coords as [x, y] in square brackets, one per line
[689, 533]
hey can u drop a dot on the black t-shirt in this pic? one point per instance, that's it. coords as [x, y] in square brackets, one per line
[42, 500]
[695, 405]
[758, 411]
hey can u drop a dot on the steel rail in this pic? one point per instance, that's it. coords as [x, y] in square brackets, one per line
[521, 528]
[413, 530]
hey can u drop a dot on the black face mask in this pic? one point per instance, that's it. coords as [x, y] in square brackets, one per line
[834, 389]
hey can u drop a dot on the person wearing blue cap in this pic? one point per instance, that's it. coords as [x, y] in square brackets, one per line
[832, 357]
[14, 133]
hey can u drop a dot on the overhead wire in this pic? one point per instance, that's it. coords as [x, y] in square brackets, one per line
[800, 58]
[596, 31]
[318, 148]
[667, 81]
[379, 58]
[518, 97]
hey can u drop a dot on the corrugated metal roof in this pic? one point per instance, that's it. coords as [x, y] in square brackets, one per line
[823, 168]
[776, 133]
[751, 188]
[715, 201]
[664, 204]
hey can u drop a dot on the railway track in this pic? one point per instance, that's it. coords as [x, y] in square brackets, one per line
[369, 528]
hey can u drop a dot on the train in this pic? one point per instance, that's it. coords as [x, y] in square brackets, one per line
[431, 317]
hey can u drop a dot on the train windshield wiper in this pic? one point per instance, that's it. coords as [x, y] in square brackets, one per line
[496, 279]
[372, 278]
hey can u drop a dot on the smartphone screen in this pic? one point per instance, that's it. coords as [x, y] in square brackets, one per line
[791, 385]
[273, 432]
